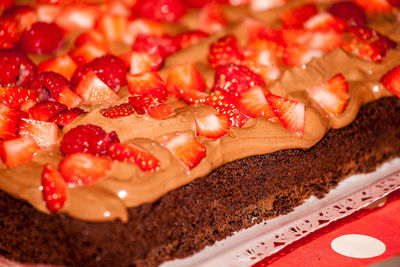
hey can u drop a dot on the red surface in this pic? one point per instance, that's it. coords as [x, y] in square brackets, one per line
[315, 250]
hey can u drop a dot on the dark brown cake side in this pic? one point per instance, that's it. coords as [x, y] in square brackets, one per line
[208, 209]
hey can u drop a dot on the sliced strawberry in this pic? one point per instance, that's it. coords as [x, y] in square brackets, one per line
[223, 51]
[143, 62]
[192, 96]
[16, 96]
[184, 76]
[69, 98]
[63, 65]
[141, 26]
[121, 110]
[77, 16]
[295, 17]
[212, 126]
[162, 45]
[9, 121]
[65, 117]
[81, 169]
[47, 12]
[321, 40]
[349, 12]
[113, 27]
[212, 18]
[187, 39]
[43, 111]
[42, 38]
[87, 138]
[91, 37]
[88, 52]
[94, 91]
[48, 85]
[141, 102]
[161, 111]
[235, 79]
[261, 5]
[148, 83]
[391, 80]
[16, 68]
[53, 188]
[289, 112]
[25, 15]
[324, 22]
[9, 34]
[134, 154]
[18, 150]
[44, 133]
[160, 10]
[254, 104]
[297, 55]
[377, 6]
[257, 30]
[185, 148]
[226, 104]
[332, 96]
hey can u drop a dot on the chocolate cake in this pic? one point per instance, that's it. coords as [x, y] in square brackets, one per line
[118, 151]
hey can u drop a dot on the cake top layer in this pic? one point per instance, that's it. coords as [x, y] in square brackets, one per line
[306, 73]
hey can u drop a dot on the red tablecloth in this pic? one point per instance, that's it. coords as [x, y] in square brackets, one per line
[369, 232]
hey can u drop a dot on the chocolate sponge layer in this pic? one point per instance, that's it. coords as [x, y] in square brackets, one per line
[234, 196]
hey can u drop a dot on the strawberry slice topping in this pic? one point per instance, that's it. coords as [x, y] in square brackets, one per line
[139, 62]
[377, 6]
[43, 111]
[66, 116]
[48, 85]
[161, 45]
[161, 10]
[18, 150]
[9, 34]
[63, 65]
[16, 68]
[298, 55]
[212, 18]
[391, 80]
[289, 112]
[9, 121]
[254, 104]
[223, 51]
[185, 148]
[349, 12]
[15, 97]
[148, 83]
[121, 110]
[44, 133]
[161, 111]
[187, 39]
[212, 125]
[183, 77]
[87, 138]
[134, 154]
[81, 169]
[53, 188]
[294, 18]
[42, 38]
[332, 96]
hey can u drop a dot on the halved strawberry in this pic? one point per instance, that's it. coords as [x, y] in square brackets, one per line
[377, 6]
[148, 83]
[47, 12]
[121, 110]
[69, 98]
[321, 40]
[141, 102]
[88, 52]
[113, 27]
[224, 50]
[260, 5]
[16, 96]
[9, 121]
[324, 21]
[226, 104]
[332, 96]
[44, 133]
[140, 26]
[391, 80]
[66, 116]
[162, 45]
[143, 62]
[289, 112]
[80, 169]
[235, 79]
[257, 30]
[160, 10]
[212, 18]
[43, 111]
[63, 65]
[295, 17]
[254, 104]
[18, 150]
[25, 15]
[53, 188]
[94, 91]
[91, 36]
[212, 125]
[77, 16]
[187, 39]
[298, 55]
[184, 76]
[160, 111]
[185, 148]
[134, 154]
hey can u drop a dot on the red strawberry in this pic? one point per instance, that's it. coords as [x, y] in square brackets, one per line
[297, 55]
[53, 188]
[162, 45]
[391, 80]
[161, 10]
[226, 104]
[44, 133]
[77, 16]
[87, 138]
[378, 6]
[69, 98]
[43, 111]
[5, 4]
[187, 39]
[81, 169]
[160, 111]
[16, 96]
[18, 150]
[185, 148]
[148, 83]
[121, 110]
[9, 121]
[42, 38]
[212, 18]
[143, 62]
[257, 30]
[25, 15]
[142, 26]
[16, 68]
[91, 36]
[134, 154]
[324, 22]
[235, 79]
[141, 102]
[212, 126]
[261, 5]
[294, 18]
[395, 3]
[223, 51]
[94, 91]
[88, 52]
[184, 76]
[48, 85]
[321, 40]
[9, 34]
[63, 65]
[112, 27]
[349, 12]
[65, 117]
[254, 104]
[332, 96]
[289, 112]
[48, 13]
